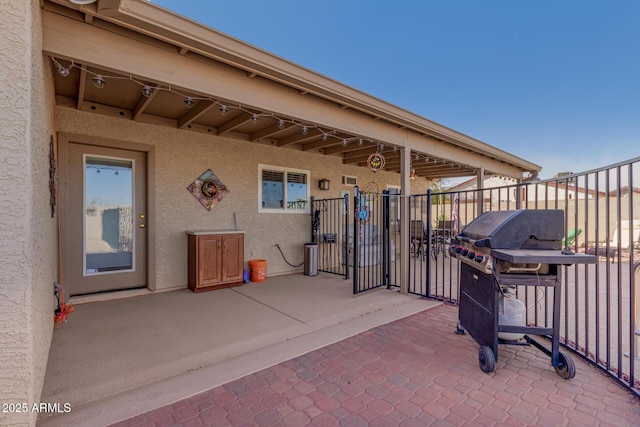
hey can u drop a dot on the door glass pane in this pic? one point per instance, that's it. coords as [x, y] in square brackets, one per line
[108, 204]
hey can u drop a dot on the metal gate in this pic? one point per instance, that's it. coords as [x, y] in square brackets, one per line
[433, 222]
[368, 249]
[329, 228]
[372, 248]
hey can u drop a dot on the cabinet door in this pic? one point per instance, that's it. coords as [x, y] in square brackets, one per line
[233, 258]
[209, 260]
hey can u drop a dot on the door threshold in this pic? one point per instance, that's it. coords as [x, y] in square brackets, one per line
[115, 295]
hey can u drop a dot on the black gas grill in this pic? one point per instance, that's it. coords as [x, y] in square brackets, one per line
[500, 250]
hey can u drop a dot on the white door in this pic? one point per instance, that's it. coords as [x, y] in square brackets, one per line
[106, 240]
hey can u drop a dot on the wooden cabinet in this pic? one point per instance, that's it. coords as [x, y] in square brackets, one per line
[216, 260]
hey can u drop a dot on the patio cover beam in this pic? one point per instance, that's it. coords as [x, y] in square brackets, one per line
[202, 107]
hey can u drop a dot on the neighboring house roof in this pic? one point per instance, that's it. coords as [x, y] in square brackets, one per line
[300, 98]
[562, 185]
[488, 182]
[557, 185]
[624, 190]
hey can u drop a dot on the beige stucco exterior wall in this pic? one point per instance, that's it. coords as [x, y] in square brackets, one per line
[27, 231]
[181, 156]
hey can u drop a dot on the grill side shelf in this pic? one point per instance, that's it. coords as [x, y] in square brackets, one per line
[530, 256]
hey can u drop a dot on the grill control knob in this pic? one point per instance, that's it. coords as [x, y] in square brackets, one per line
[470, 255]
[479, 258]
[464, 252]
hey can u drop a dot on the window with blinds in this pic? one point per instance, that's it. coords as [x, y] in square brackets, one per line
[283, 190]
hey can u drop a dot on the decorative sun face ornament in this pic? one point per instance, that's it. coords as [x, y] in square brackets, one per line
[375, 162]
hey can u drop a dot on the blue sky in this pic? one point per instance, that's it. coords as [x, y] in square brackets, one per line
[554, 82]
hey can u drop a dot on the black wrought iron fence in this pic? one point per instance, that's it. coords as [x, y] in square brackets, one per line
[329, 229]
[600, 302]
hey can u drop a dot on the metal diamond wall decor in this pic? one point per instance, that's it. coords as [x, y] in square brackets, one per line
[208, 189]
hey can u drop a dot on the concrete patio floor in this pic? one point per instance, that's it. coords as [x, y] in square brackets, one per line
[296, 351]
[118, 358]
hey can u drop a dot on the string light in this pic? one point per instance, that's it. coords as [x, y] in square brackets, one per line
[147, 91]
[100, 168]
[189, 101]
[63, 71]
[98, 81]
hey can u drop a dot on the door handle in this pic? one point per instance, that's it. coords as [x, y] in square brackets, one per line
[141, 225]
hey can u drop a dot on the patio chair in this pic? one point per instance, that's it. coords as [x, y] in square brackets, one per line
[440, 237]
[417, 236]
[620, 243]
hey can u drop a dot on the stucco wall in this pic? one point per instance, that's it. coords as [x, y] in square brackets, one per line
[27, 232]
[181, 156]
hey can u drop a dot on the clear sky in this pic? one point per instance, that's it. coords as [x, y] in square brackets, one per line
[554, 82]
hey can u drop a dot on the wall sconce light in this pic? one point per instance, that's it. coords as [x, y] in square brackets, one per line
[323, 184]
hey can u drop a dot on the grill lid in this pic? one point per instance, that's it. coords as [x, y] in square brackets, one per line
[516, 229]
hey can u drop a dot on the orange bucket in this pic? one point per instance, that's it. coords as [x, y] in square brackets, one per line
[258, 269]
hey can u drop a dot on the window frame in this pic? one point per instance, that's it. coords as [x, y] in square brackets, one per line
[285, 171]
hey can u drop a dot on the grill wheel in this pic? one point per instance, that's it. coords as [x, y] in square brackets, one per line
[566, 368]
[487, 359]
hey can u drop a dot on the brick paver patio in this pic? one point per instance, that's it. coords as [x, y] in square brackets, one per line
[411, 372]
